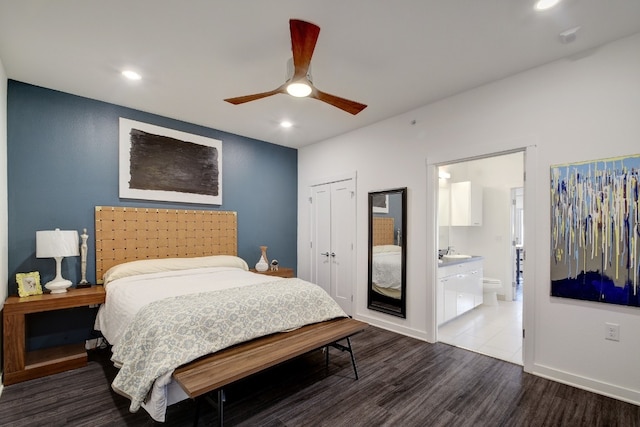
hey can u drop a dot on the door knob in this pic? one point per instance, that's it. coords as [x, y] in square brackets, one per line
[333, 254]
[325, 253]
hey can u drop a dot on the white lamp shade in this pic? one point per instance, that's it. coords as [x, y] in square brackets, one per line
[57, 243]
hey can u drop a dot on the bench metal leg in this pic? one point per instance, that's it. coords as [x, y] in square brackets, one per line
[222, 397]
[344, 348]
[221, 400]
[326, 357]
[220, 404]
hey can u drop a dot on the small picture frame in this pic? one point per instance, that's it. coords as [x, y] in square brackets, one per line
[28, 284]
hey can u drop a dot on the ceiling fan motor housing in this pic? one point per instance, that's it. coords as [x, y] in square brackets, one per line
[291, 69]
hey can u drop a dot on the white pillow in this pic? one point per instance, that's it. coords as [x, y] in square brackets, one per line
[146, 266]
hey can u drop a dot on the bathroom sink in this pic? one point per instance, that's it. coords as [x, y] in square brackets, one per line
[452, 257]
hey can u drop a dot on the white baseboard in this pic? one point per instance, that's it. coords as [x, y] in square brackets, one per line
[410, 332]
[595, 386]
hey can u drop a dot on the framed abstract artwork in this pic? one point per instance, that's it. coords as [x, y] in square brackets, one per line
[380, 203]
[163, 164]
[595, 230]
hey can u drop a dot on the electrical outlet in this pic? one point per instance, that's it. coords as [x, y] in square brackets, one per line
[612, 331]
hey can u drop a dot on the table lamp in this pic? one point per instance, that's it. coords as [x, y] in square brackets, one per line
[57, 244]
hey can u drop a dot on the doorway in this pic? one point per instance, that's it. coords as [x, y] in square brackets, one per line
[494, 326]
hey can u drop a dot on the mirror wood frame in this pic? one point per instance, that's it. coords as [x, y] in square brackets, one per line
[375, 300]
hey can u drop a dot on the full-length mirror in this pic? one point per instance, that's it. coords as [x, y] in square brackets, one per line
[388, 251]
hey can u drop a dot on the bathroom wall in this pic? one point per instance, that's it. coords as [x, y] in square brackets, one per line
[495, 176]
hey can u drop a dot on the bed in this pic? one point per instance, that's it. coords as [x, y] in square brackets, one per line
[386, 259]
[176, 291]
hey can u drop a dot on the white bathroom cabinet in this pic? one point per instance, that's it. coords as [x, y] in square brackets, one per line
[466, 204]
[459, 289]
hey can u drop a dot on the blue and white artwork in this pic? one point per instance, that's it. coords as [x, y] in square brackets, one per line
[595, 230]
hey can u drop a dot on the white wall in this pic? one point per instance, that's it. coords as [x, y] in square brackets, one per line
[4, 228]
[577, 109]
[4, 253]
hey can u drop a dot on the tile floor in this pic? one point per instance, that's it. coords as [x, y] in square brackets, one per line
[492, 330]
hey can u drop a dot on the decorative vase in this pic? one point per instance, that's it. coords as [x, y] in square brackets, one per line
[263, 262]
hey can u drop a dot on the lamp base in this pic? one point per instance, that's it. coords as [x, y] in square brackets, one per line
[58, 286]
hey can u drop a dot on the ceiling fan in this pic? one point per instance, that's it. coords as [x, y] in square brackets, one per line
[304, 36]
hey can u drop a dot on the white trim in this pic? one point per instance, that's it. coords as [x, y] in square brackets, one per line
[394, 327]
[528, 307]
[432, 249]
[529, 262]
[584, 383]
[335, 178]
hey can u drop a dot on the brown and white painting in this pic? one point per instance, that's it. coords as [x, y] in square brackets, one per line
[163, 164]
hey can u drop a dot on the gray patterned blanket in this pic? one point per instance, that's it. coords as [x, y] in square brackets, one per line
[171, 332]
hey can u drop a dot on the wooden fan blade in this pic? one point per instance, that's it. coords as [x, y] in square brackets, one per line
[347, 105]
[247, 98]
[304, 36]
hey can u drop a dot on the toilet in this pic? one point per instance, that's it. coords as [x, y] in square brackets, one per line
[490, 289]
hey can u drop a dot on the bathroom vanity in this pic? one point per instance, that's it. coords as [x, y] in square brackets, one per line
[459, 287]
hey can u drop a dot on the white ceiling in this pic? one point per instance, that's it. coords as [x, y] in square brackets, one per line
[393, 56]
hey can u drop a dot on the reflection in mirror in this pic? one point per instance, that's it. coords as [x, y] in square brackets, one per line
[387, 251]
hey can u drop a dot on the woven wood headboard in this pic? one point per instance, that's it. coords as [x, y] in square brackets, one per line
[129, 234]
[383, 231]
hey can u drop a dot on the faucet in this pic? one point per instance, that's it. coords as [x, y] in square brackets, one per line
[450, 250]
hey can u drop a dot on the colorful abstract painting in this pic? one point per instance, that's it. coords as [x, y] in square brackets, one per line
[595, 230]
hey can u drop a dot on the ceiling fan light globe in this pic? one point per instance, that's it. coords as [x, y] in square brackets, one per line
[545, 4]
[299, 90]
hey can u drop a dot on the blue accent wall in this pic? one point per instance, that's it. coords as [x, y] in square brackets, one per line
[62, 155]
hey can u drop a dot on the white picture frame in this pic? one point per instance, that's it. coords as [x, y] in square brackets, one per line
[381, 203]
[157, 163]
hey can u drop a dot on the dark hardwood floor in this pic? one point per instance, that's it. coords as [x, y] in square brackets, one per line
[403, 382]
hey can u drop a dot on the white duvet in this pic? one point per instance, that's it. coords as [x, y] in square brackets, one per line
[385, 267]
[126, 296]
[130, 287]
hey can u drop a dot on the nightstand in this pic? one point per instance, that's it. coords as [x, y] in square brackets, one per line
[22, 365]
[283, 272]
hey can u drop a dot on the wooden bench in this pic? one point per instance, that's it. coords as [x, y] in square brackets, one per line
[224, 367]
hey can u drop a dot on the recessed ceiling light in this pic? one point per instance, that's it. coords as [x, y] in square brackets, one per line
[286, 124]
[546, 4]
[131, 75]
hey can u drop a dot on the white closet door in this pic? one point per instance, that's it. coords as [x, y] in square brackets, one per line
[342, 232]
[321, 237]
[332, 236]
